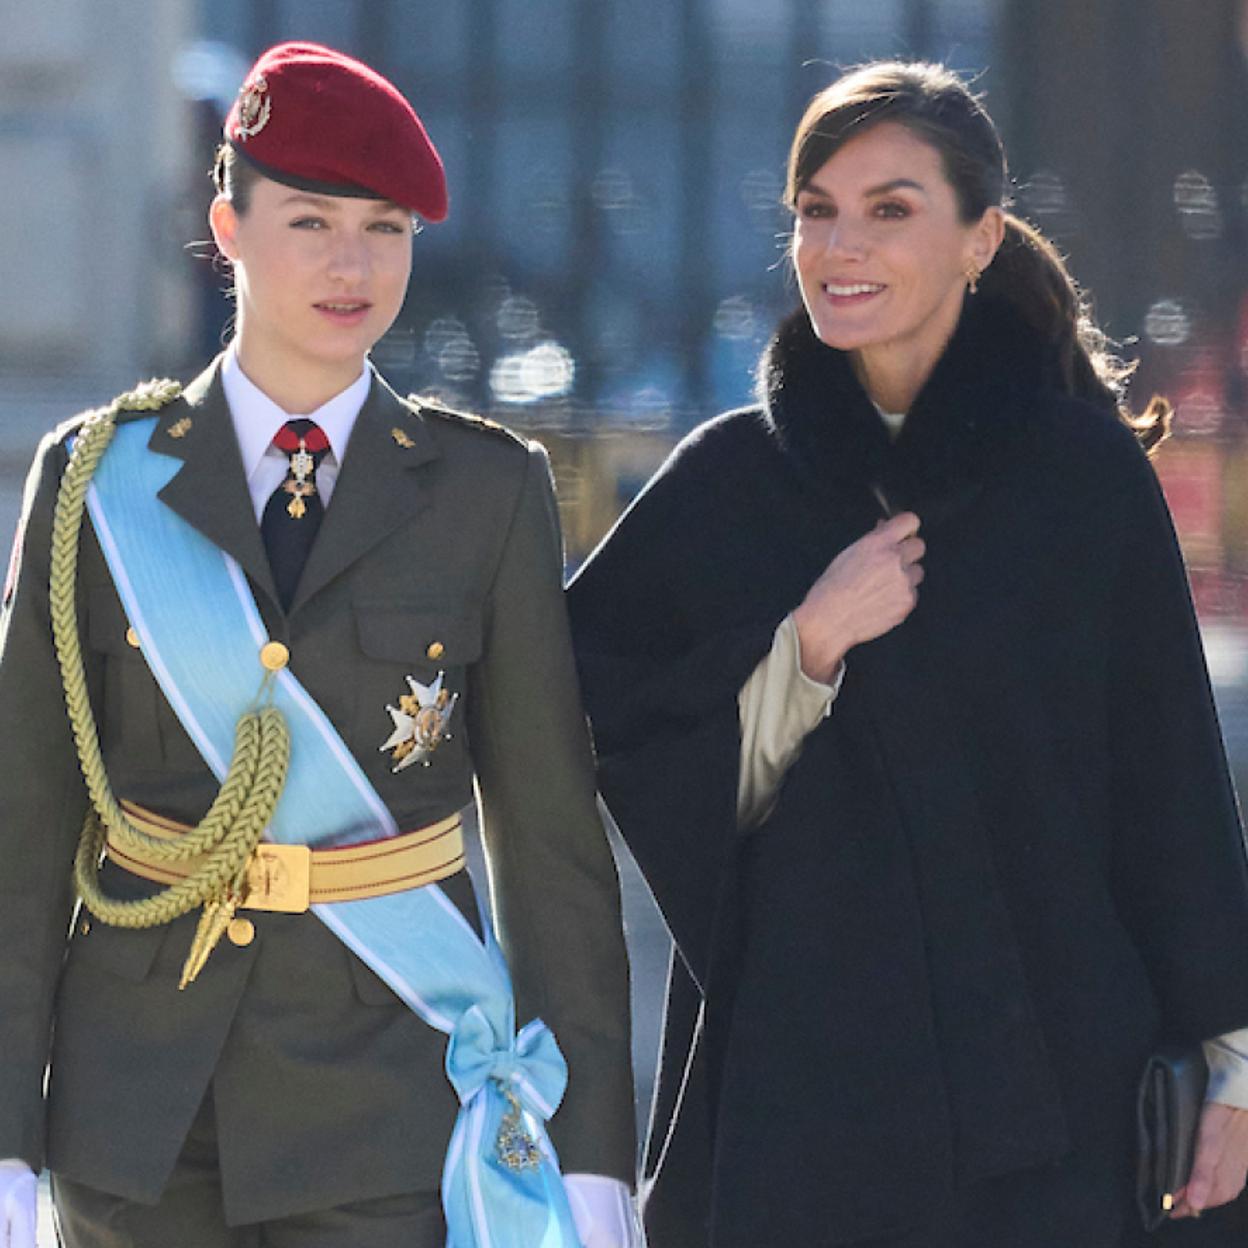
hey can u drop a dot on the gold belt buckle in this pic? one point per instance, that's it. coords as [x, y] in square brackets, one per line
[279, 878]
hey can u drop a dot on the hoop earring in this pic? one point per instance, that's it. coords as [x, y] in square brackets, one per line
[973, 274]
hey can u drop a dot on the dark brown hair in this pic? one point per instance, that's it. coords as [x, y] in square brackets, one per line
[233, 177]
[1028, 271]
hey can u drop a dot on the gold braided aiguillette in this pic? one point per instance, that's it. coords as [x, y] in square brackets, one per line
[230, 831]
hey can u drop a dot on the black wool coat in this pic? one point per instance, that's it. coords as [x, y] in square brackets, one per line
[1009, 863]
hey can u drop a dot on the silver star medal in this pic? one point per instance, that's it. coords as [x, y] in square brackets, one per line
[420, 722]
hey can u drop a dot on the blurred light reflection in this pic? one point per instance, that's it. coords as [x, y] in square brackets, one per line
[544, 372]
[1167, 323]
[736, 318]
[1046, 199]
[518, 317]
[1197, 204]
[448, 344]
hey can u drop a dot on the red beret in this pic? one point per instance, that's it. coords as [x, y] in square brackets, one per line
[313, 118]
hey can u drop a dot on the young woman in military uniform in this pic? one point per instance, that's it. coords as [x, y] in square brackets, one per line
[305, 609]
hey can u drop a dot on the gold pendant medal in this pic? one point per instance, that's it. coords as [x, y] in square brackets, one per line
[302, 465]
[296, 509]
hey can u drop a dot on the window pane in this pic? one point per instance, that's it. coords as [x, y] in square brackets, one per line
[450, 137]
[755, 32]
[636, 190]
[317, 21]
[532, 207]
[533, 36]
[431, 39]
[852, 31]
[744, 212]
[964, 32]
[643, 39]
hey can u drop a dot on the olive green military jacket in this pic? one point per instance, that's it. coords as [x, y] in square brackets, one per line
[326, 1088]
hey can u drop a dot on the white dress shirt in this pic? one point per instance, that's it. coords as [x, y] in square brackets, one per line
[256, 422]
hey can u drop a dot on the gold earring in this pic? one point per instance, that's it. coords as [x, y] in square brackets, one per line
[973, 274]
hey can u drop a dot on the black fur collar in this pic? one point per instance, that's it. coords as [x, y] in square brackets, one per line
[981, 395]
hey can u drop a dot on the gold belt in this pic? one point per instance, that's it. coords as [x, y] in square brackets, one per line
[289, 878]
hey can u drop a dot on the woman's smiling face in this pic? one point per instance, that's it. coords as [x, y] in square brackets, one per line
[881, 251]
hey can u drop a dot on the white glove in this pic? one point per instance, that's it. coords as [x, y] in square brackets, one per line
[602, 1209]
[18, 1204]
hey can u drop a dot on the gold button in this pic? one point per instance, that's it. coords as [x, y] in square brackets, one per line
[132, 638]
[436, 650]
[84, 927]
[274, 656]
[241, 932]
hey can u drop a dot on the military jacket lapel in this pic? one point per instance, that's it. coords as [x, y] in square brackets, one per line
[376, 491]
[209, 491]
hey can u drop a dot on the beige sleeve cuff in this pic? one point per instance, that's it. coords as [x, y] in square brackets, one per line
[778, 705]
[1228, 1068]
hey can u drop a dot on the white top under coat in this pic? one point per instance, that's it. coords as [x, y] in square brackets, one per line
[893, 421]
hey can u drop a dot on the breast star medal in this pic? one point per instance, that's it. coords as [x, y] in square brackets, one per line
[420, 722]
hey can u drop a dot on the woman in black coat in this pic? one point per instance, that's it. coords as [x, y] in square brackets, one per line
[944, 874]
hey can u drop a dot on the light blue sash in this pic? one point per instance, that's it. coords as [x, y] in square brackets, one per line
[200, 631]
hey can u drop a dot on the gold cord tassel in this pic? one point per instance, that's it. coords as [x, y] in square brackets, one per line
[213, 921]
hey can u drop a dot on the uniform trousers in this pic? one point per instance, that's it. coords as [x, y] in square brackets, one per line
[191, 1212]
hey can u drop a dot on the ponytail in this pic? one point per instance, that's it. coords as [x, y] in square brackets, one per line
[1029, 274]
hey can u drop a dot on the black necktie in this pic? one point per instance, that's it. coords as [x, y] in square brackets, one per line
[294, 510]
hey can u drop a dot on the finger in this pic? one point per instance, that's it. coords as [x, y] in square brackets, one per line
[901, 526]
[915, 574]
[912, 549]
[1205, 1163]
[1182, 1209]
[1227, 1185]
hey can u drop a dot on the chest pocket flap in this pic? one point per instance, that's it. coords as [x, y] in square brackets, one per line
[418, 635]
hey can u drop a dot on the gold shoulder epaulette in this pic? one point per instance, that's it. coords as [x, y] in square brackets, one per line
[148, 396]
[426, 407]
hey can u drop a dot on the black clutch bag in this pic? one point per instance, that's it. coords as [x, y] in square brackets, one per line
[1172, 1094]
